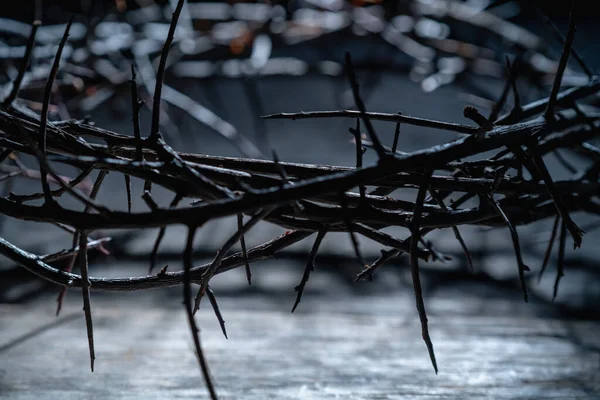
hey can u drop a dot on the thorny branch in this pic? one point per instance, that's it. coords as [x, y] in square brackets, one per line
[306, 198]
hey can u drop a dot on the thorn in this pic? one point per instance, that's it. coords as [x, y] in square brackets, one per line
[163, 271]
[515, 239]
[128, 190]
[154, 134]
[215, 306]
[549, 248]
[361, 106]
[562, 64]
[414, 267]
[85, 289]
[561, 259]
[561, 38]
[240, 222]
[44, 114]
[396, 136]
[310, 266]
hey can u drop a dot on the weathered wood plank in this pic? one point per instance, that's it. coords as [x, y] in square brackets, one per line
[346, 344]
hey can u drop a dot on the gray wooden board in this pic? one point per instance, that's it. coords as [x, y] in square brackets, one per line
[342, 342]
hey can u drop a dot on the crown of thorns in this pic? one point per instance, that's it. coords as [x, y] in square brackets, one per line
[305, 199]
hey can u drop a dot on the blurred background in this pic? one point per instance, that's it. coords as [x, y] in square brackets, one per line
[232, 62]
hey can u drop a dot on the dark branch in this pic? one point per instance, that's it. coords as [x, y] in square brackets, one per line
[85, 289]
[414, 267]
[44, 114]
[517, 246]
[240, 224]
[548, 252]
[161, 71]
[361, 107]
[187, 301]
[562, 64]
[310, 266]
[25, 63]
[561, 259]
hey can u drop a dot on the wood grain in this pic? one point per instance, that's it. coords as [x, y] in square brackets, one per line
[360, 342]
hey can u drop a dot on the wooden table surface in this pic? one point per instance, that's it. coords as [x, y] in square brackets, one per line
[343, 342]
